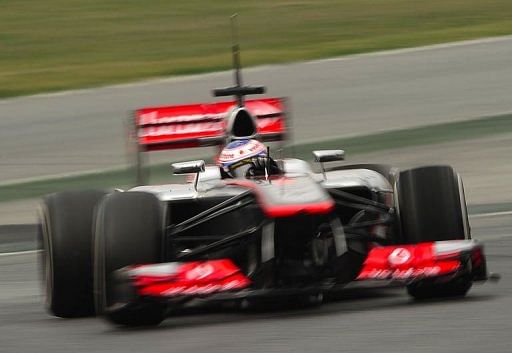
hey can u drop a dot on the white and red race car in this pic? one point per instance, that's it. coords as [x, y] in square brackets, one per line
[132, 255]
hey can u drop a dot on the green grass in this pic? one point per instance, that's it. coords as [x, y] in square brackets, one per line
[355, 145]
[60, 44]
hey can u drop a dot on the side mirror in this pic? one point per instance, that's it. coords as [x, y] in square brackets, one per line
[188, 167]
[329, 155]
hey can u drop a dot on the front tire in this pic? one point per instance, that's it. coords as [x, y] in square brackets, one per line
[66, 230]
[457, 287]
[432, 207]
[129, 230]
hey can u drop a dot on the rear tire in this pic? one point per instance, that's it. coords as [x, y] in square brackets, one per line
[129, 230]
[66, 262]
[432, 207]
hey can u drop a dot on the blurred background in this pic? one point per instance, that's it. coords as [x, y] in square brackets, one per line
[63, 44]
[404, 82]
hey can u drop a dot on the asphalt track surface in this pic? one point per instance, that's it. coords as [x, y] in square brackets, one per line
[359, 320]
[82, 130]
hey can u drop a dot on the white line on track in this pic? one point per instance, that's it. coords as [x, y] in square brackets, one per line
[491, 214]
[28, 252]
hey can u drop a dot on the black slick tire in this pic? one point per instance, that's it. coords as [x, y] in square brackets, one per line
[129, 230]
[431, 206]
[66, 222]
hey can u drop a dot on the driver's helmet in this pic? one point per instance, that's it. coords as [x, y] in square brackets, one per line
[236, 158]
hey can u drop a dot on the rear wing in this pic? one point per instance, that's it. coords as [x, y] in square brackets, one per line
[201, 125]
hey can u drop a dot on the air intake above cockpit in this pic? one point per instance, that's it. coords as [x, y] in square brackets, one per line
[241, 124]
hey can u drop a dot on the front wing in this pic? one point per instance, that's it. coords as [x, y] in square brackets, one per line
[222, 278]
[411, 263]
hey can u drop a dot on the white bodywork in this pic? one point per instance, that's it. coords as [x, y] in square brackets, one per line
[210, 181]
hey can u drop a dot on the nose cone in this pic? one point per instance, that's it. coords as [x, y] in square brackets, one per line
[241, 124]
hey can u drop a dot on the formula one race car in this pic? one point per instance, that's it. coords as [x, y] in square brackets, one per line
[280, 231]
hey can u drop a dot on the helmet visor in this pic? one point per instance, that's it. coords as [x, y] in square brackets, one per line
[241, 171]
